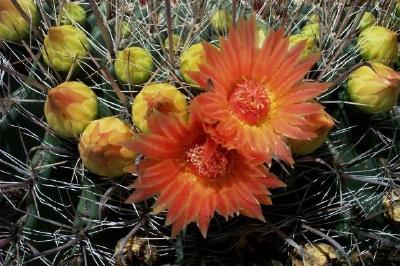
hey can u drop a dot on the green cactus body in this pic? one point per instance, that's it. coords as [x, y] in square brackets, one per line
[70, 199]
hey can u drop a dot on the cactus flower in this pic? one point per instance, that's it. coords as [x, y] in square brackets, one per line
[133, 65]
[69, 108]
[367, 20]
[379, 44]
[72, 13]
[64, 45]
[161, 97]
[374, 87]
[321, 124]
[221, 21]
[13, 26]
[190, 61]
[194, 177]
[257, 97]
[102, 150]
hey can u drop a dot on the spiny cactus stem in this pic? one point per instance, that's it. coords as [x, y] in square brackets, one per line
[198, 10]
[387, 5]
[330, 240]
[62, 3]
[54, 250]
[386, 242]
[72, 69]
[44, 14]
[45, 219]
[40, 65]
[142, 222]
[121, 96]
[110, 8]
[343, 43]
[154, 28]
[284, 236]
[102, 26]
[28, 20]
[26, 79]
[284, 6]
[343, 77]
[169, 28]
[150, 5]
[234, 11]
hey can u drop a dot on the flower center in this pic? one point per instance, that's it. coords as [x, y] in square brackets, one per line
[207, 162]
[249, 102]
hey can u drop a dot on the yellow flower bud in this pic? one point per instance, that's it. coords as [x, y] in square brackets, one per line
[221, 21]
[176, 42]
[309, 49]
[379, 44]
[102, 147]
[161, 97]
[367, 20]
[321, 124]
[133, 65]
[375, 87]
[69, 108]
[314, 18]
[312, 30]
[63, 45]
[190, 61]
[13, 26]
[72, 13]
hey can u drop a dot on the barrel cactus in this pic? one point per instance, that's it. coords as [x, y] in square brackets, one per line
[193, 132]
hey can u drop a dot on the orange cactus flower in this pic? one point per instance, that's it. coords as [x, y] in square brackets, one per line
[257, 97]
[194, 177]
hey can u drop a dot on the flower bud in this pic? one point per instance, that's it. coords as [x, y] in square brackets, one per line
[69, 108]
[13, 26]
[72, 13]
[379, 44]
[190, 61]
[367, 20]
[314, 18]
[309, 49]
[221, 21]
[375, 88]
[133, 65]
[161, 97]
[102, 147]
[320, 124]
[63, 45]
[312, 30]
